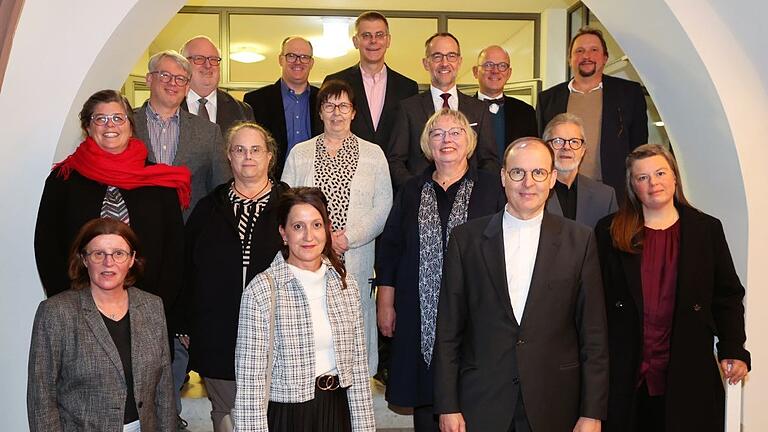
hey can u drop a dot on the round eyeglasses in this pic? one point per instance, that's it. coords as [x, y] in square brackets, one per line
[438, 134]
[102, 119]
[241, 152]
[574, 143]
[200, 60]
[537, 174]
[98, 256]
[489, 65]
[166, 77]
[329, 107]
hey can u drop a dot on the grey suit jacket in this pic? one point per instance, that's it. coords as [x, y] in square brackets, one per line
[404, 151]
[594, 200]
[228, 111]
[75, 379]
[201, 149]
[556, 358]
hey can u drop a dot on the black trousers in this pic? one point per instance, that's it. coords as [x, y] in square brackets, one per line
[327, 412]
[424, 419]
[650, 411]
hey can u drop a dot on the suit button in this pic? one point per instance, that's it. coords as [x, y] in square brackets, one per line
[619, 304]
[696, 307]
[520, 342]
[140, 404]
[515, 381]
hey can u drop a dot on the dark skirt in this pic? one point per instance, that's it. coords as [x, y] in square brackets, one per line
[327, 412]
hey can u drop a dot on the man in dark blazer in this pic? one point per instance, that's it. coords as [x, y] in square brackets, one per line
[613, 109]
[302, 120]
[442, 60]
[197, 143]
[521, 338]
[378, 88]
[575, 196]
[511, 118]
[204, 97]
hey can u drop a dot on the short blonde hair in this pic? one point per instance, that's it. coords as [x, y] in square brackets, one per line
[459, 118]
[269, 140]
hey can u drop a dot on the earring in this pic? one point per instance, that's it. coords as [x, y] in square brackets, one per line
[285, 242]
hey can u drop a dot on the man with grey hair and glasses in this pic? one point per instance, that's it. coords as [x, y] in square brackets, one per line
[575, 196]
[205, 98]
[176, 137]
[288, 108]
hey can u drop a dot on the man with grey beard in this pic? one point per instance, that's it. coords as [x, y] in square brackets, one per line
[575, 196]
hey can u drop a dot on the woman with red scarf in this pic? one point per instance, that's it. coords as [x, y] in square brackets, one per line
[107, 176]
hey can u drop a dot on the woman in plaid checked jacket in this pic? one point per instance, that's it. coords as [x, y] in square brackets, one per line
[309, 388]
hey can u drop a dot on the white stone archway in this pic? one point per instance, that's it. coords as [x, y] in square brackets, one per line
[700, 59]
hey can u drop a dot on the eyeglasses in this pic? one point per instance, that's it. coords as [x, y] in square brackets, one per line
[489, 65]
[200, 60]
[574, 143]
[438, 134]
[537, 174]
[98, 256]
[344, 107]
[241, 151]
[368, 36]
[452, 57]
[302, 58]
[166, 77]
[102, 119]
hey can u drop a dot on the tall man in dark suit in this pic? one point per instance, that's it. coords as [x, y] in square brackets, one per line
[288, 108]
[442, 60]
[175, 137]
[378, 88]
[575, 196]
[204, 97]
[613, 109]
[511, 117]
[521, 338]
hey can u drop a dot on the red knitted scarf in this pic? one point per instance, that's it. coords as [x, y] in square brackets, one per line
[126, 170]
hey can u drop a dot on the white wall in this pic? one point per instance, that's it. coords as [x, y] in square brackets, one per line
[554, 46]
[63, 51]
[701, 61]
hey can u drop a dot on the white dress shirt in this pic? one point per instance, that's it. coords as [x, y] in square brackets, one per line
[521, 244]
[453, 101]
[194, 106]
[314, 285]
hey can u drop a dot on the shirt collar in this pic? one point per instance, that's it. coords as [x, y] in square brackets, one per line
[192, 97]
[287, 91]
[515, 223]
[377, 77]
[436, 92]
[572, 89]
[483, 96]
[156, 116]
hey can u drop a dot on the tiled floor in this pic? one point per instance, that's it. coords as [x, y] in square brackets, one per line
[197, 409]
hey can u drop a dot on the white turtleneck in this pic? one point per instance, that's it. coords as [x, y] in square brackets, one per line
[521, 243]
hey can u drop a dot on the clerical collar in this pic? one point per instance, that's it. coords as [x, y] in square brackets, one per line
[514, 222]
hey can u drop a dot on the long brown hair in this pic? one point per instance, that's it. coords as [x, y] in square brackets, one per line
[314, 197]
[627, 225]
[78, 273]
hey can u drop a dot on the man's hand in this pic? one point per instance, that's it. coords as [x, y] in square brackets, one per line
[586, 424]
[385, 310]
[453, 422]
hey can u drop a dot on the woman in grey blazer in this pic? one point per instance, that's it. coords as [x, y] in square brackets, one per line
[353, 174]
[99, 358]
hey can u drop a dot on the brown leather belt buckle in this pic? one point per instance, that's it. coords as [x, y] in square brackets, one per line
[327, 382]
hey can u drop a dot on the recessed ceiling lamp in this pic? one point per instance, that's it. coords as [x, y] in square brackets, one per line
[246, 55]
[335, 41]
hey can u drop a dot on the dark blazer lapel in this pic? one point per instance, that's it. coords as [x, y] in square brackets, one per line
[225, 109]
[549, 245]
[363, 110]
[390, 96]
[427, 105]
[99, 329]
[691, 236]
[492, 249]
[278, 113]
[585, 199]
[553, 204]
[509, 120]
[142, 132]
[139, 333]
[185, 133]
[631, 264]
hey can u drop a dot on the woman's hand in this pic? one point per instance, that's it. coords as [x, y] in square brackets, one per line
[385, 310]
[733, 370]
[339, 241]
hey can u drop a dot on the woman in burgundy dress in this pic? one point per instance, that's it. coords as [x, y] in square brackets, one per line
[670, 288]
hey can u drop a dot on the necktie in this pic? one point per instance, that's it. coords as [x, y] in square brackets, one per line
[445, 97]
[203, 111]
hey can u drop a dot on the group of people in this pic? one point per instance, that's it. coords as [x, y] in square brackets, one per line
[266, 243]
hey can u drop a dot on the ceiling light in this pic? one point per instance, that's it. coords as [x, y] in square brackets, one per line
[246, 56]
[335, 41]
[658, 124]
